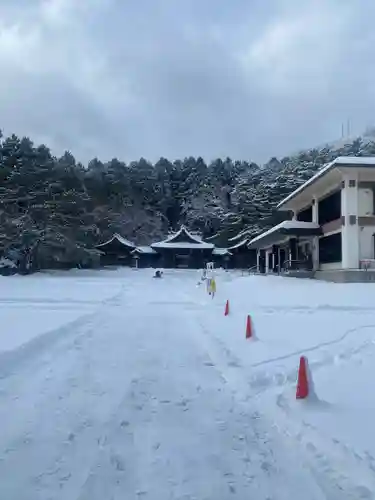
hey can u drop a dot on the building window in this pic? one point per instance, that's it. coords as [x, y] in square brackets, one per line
[330, 208]
[352, 183]
[352, 220]
[305, 215]
[330, 249]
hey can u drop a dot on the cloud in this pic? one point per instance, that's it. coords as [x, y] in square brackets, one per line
[163, 78]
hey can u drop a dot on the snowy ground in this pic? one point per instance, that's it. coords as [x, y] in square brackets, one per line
[114, 385]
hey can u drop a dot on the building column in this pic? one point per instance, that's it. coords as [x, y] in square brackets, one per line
[268, 261]
[315, 240]
[262, 261]
[275, 258]
[258, 260]
[350, 229]
[293, 249]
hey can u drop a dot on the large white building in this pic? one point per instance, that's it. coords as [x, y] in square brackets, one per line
[332, 233]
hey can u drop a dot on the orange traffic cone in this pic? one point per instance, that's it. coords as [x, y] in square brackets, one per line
[303, 381]
[226, 312]
[249, 330]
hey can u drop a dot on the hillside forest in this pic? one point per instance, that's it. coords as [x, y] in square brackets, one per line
[54, 210]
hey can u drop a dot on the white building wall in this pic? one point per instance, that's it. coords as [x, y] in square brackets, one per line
[357, 241]
[366, 233]
[365, 202]
[315, 241]
[330, 266]
[350, 231]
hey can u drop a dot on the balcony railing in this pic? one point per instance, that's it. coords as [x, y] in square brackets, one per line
[367, 264]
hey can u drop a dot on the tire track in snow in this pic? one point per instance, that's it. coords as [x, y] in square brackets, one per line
[214, 446]
[263, 380]
[28, 352]
[316, 347]
[332, 486]
[339, 463]
[314, 309]
[326, 468]
[31, 351]
[38, 381]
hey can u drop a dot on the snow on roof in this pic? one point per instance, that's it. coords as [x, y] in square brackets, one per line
[120, 239]
[355, 161]
[287, 224]
[240, 244]
[183, 229]
[209, 238]
[144, 249]
[221, 251]
[240, 235]
[196, 242]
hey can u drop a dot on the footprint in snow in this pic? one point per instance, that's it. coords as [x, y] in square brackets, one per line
[234, 364]
[183, 402]
[118, 463]
[208, 363]
[267, 467]
[232, 489]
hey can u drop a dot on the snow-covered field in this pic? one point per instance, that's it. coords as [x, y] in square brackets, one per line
[114, 385]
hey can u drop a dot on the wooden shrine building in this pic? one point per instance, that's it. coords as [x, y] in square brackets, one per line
[182, 249]
[145, 256]
[116, 251]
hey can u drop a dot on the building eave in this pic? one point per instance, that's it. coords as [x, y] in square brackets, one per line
[241, 244]
[117, 237]
[282, 230]
[221, 251]
[341, 161]
[181, 245]
[195, 243]
[144, 250]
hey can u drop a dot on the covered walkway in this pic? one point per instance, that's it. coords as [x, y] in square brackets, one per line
[289, 245]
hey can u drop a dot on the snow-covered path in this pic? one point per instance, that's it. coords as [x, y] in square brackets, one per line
[134, 401]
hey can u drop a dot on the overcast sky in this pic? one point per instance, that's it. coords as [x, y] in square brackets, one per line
[249, 79]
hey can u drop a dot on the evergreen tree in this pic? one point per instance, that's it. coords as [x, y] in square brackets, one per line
[53, 211]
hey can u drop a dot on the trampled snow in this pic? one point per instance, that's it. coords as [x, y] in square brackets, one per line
[116, 385]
